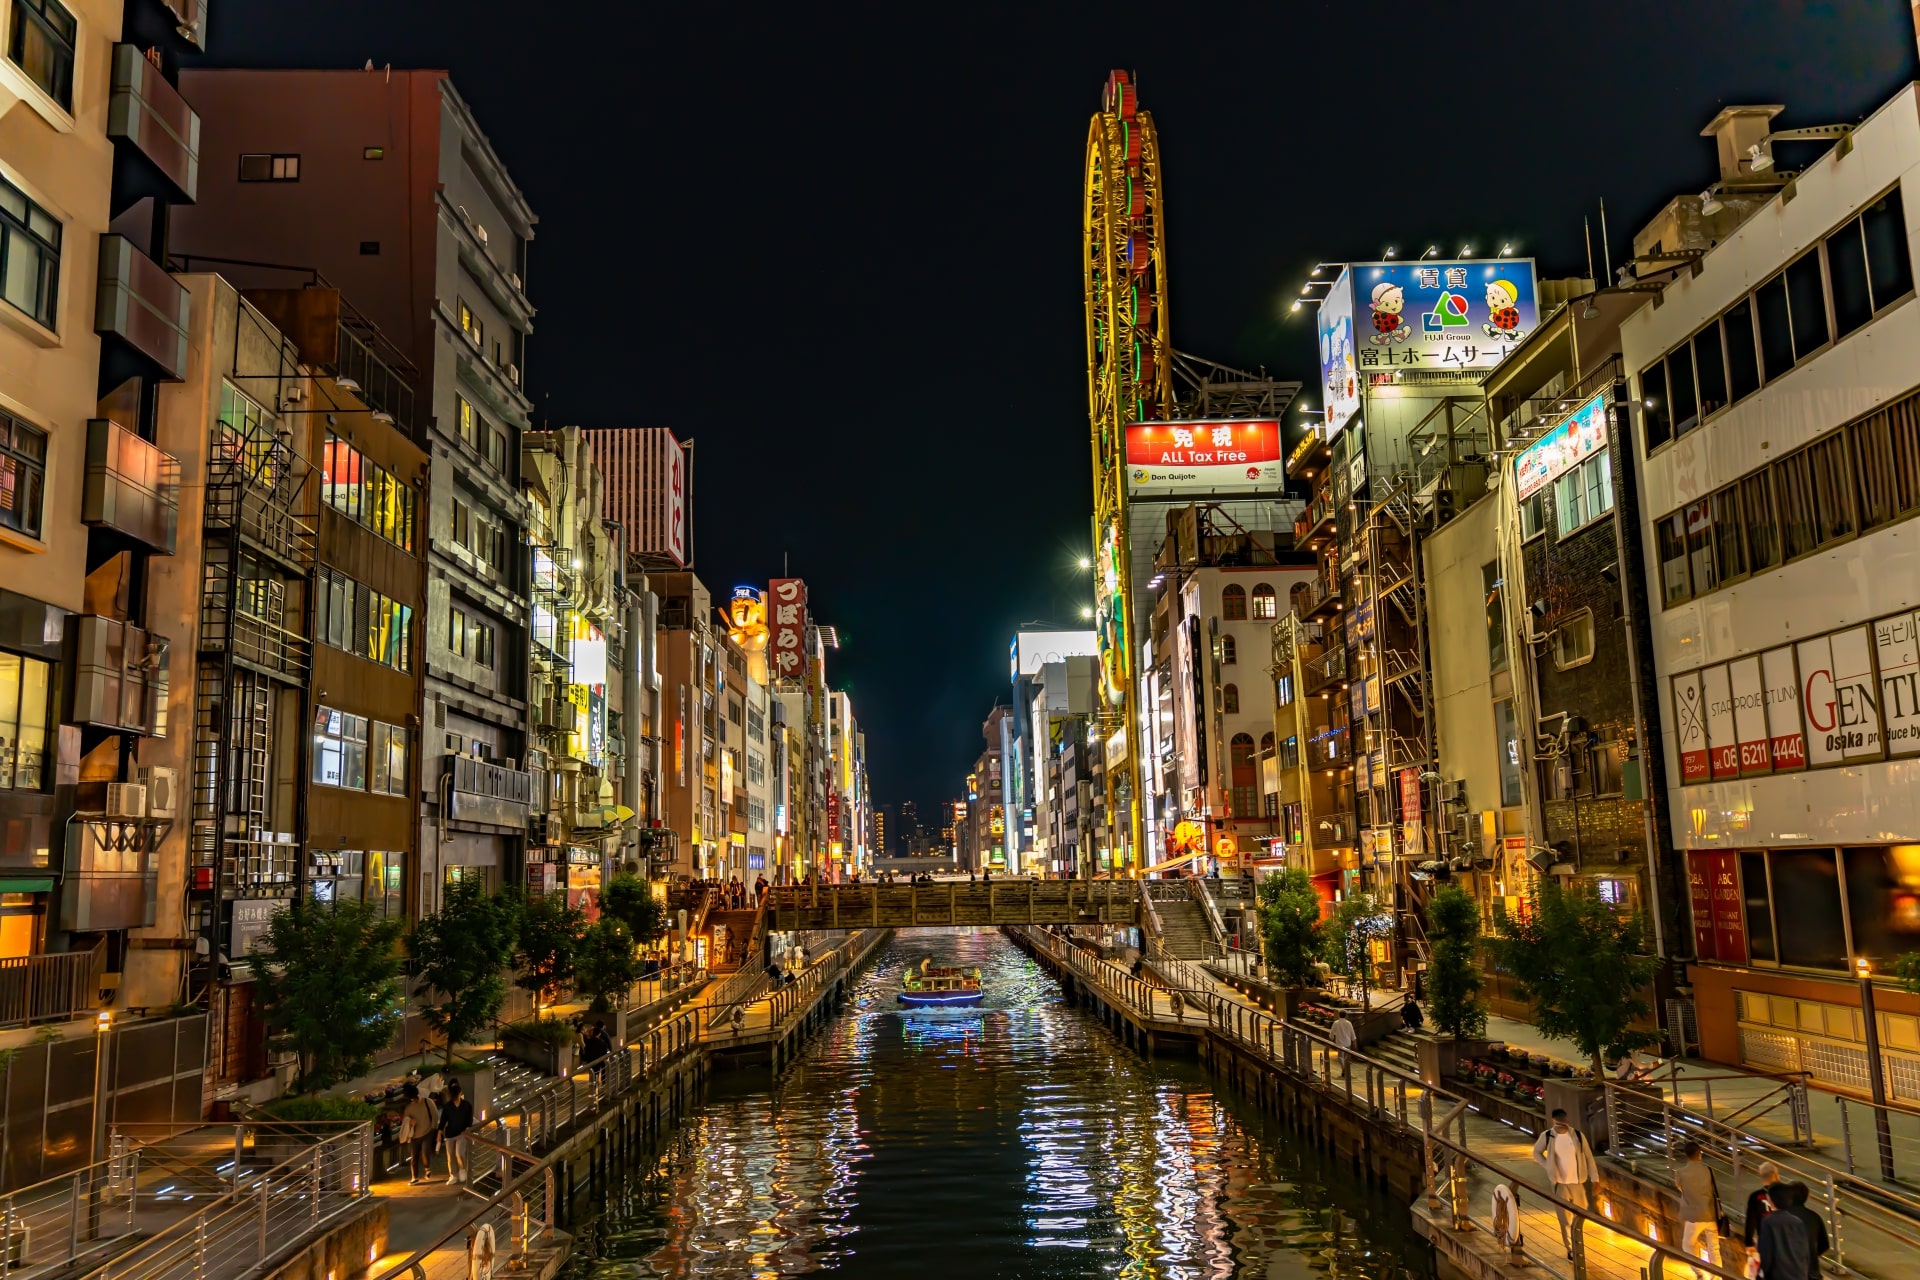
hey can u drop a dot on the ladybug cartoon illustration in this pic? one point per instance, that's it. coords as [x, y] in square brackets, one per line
[1389, 300]
[1503, 311]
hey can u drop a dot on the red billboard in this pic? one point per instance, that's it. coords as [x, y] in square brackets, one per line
[787, 628]
[1201, 457]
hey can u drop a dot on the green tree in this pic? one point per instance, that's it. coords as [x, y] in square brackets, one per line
[1582, 965]
[605, 965]
[328, 976]
[462, 952]
[1907, 969]
[548, 939]
[1289, 925]
[630, 900]
[1453, 975]
[1347, 939]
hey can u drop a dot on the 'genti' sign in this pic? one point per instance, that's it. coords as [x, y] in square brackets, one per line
[1841, 698]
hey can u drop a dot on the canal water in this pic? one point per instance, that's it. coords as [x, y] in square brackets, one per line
[1016, 1139]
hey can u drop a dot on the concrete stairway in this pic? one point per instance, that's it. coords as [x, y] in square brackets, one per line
[1400, 1049]
[1184, 929]
[739, 936]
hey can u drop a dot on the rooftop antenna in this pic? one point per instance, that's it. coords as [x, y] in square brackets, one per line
[1606, 252]
[1586, 225]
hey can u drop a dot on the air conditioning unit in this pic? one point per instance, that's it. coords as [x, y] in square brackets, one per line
[163, 790]
[513, 374]
[513, 278]
[1453, 791]
[510, 764]
[480, 234]
[126, 800]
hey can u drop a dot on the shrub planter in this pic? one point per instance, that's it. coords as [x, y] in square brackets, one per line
[553, 1057]
[1440, 1059]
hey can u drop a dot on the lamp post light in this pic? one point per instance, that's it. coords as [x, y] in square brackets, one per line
[1876, 1073]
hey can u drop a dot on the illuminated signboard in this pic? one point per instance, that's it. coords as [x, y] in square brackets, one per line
[1174, 458]
[1465, 314]
[1339, 374]
[1032, 650]
[1578, 437]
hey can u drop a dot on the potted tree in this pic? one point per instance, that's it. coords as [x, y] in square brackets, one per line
[1453, 984]
[1347, 941]
[1289, 932]
[547, 942]
[605, 968]
[461, 953]
[1582, 965]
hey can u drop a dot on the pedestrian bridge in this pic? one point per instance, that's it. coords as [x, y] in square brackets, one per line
[950, 902]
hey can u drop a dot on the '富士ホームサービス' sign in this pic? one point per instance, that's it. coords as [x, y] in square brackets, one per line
[1204, 457]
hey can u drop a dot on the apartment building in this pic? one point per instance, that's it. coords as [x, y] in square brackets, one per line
[382, 184]
[1776, 431]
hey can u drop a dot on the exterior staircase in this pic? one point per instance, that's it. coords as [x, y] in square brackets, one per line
[1184, 930]
[729, 952]
[1400, 1049]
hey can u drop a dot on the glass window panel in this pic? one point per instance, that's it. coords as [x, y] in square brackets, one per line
[1883, 904]
[1807, 291]
[1763, 530]
[1686, 408]
[1699, 518]
[1653, 403]
[9, 716]
[1710, 370]
[1832, 488]
[1672, 536]
[1743, 360]
[1847, 268]
[1813, 934]
[1759, 910]
[1888, 270]
[1776, 327]
[1729, 537]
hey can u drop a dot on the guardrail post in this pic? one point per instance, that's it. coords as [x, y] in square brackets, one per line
[200, 1245]
[1426, 1153]
[1615, 1136]
[239, 1147]
[313, 1183]
[73, 1219]
[133, 1192]
[1833, 1221]
[1846, 1133]
[1577, 1233]
[263, 1220]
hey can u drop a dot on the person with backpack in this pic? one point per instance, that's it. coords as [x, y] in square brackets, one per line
[1699, 1207]
[456, 1117]
[1564, 1152]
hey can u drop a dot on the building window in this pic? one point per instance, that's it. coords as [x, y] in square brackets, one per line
[1506, 733]
[23, 475]
[1491, 584]
[359, 620]
[366, 492]
[369, 248]
[42, 46]
[473, 326]
[1265, 603]
[1583, 494]
[470, 637]
[1230, 699]
[1290, 752]
[389, 759]
[1233, 604]
[1886, 461]
[1573, 640]
[1812, 488]
[24, 708]
[339, 749]
[1533, 515]
[373, 153]
[1245, 773]
[466, 418]
[261, 166]
[386, 882]
[1227, 651]
[1283, 691]
[29, 255]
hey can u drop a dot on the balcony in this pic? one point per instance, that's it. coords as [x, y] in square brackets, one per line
[131, 486]
[490, 793]
[258, 869]
[1322, 596]
[1316, 673]
[111, 881]
[144, 310]
[333, 337]
[160, 132]
[1329, 749]
[120, 677]
[51, 987]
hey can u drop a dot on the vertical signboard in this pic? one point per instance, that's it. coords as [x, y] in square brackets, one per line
[1786, 738]
[1750, 716]
[1700, 898]
[1690, 728]
[1339, 376]
[676, 501]
[1729, 915]
[1898, 653]
[1723, 748]
[787, 628]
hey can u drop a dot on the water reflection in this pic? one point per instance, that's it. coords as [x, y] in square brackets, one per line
[1017, 1138]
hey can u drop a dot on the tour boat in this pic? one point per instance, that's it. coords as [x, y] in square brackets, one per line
[937, 988]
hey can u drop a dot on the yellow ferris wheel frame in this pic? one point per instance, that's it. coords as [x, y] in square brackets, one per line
[1129, 380]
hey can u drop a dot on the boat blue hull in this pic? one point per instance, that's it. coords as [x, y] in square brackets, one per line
[940, 999]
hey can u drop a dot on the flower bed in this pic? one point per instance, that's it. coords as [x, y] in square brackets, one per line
[1514, 1075]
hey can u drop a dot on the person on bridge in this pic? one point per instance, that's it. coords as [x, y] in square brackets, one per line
[1817, 1241]
[1699, 1207]
[760, 887]
[456, 1117]
[1344, 1034]
[417, 1126]
[1563, 1151]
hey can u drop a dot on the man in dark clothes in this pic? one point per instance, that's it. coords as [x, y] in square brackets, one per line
[1786, 1252]
[1769, 1196]
[1817, 1242]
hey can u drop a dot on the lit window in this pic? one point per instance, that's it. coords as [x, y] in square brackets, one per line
[23, 722]
[1573, 640]
[261, 166]
[339, 749]
[23, 475]
[1265, 603]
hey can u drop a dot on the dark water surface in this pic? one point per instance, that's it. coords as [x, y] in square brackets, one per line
[1018, 1138]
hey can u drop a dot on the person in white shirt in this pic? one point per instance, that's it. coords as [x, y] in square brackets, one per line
[1563, 1152]
[1343, 1033]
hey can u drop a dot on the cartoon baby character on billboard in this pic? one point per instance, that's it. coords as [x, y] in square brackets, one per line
[1389, 300]
[1503, 311]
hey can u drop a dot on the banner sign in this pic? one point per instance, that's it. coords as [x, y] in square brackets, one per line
[1339, 378]
[787, 627]
[1464, 314]
[1579, 436]
[1172, 458]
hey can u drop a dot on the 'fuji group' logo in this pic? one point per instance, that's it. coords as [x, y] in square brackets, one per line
[1450, 312]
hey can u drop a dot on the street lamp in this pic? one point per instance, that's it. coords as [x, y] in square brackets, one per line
[1086, 611]
[1876, 1073]
[1086, 562]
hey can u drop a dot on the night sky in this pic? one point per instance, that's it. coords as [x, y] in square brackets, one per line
[840, 245]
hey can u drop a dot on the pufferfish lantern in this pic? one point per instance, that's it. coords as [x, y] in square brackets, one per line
[747, 628]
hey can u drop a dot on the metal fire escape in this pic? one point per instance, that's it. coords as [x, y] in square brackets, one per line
[252, 666]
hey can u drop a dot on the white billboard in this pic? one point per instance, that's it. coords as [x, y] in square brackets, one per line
[1032, 650]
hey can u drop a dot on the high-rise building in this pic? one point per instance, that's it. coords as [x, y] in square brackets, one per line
[382, 183]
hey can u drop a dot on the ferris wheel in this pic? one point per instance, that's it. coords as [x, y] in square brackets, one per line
[1129, 379]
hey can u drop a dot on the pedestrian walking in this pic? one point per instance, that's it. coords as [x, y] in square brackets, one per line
[1786, 1252]
[456, 1117]
[1817, 1241]
[1565, 1154]
[1699, 1207]
[1344, 1034]
[417, 1126]
[1768, 1197]
[595, 1045]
